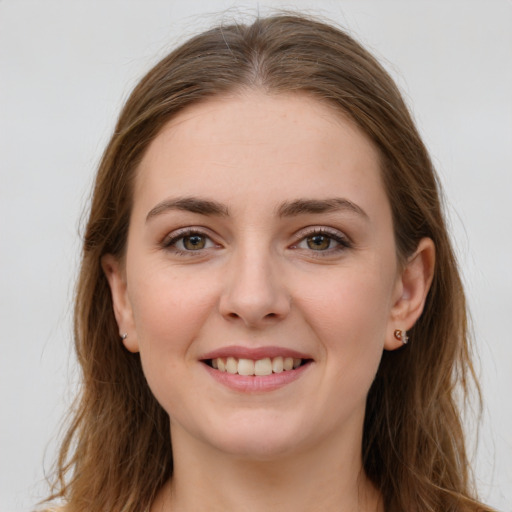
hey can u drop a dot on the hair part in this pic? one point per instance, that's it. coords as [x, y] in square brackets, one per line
[413, 444]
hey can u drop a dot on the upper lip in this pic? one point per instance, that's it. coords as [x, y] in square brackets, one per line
[254, 353]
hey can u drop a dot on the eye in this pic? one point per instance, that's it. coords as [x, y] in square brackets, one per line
[193, 242]
[322, 240]
[187, 241]
[319, 242]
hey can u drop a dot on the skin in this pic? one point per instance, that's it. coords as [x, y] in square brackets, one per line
[260, 278]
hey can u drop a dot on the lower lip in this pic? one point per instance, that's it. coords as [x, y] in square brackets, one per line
[257, 384]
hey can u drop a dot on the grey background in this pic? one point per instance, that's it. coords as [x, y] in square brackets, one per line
[66, 67]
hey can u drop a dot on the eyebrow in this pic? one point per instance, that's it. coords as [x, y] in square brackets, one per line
[287, 209]
[189, 204]
[308, 206]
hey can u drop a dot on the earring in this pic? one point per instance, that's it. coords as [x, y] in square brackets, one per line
[124, 336]
[401, 336]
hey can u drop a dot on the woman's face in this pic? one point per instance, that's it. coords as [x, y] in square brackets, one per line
[260, 237]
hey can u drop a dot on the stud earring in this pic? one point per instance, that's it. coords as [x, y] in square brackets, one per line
[401, 336]
[124, 336]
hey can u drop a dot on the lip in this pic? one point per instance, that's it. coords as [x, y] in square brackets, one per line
[256, 383]
[254, 353]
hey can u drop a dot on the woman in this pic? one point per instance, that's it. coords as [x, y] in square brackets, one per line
[265, 238]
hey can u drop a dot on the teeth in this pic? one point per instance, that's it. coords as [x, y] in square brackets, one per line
[245, 367]
[288, 363]
[261, 367]
[231, 365]
[277, 364]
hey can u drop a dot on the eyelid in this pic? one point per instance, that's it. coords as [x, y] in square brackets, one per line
[343, 241]
[323, 230]
[169, 241]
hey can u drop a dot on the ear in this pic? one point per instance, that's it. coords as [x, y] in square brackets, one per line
[114, 271]
[412, 288]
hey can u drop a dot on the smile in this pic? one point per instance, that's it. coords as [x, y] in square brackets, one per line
[258, 367]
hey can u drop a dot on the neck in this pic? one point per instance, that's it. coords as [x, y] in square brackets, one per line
[327, 478]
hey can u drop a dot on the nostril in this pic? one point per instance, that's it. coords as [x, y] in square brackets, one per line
[252, 308]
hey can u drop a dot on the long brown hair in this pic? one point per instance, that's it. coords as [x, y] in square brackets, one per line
[117, 452]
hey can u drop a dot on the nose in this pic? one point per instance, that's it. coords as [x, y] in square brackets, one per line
[254, 292]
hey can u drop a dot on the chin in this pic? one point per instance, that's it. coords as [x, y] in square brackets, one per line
[258, 448]
[258, 439]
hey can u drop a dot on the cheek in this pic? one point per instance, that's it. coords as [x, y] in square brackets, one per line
[169, 309]
[347, 301]
[348, 316]
[169, 312]
[349, 313]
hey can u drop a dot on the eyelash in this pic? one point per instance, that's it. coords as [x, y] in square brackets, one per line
[343, 242]
[169, 243]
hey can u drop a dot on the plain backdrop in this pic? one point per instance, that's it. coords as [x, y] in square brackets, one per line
[66, 67]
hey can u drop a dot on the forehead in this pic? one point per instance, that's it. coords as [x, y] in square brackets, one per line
[256, 145]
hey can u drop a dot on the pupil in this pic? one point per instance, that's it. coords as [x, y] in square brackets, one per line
[318, 242]
[194, 242]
